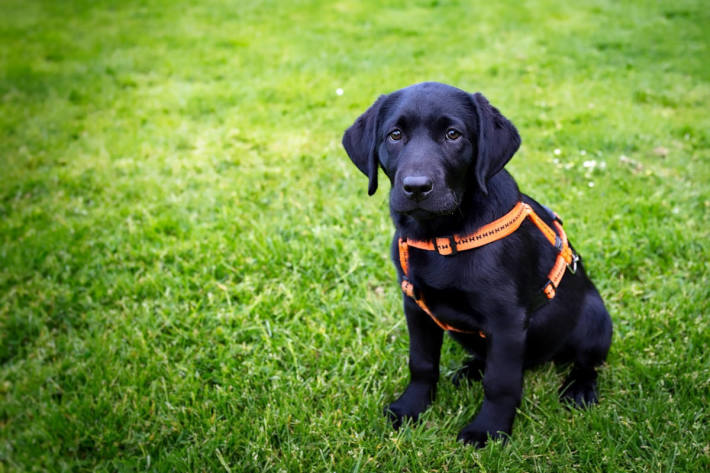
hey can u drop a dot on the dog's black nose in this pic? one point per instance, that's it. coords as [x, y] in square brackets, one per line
[417, 187]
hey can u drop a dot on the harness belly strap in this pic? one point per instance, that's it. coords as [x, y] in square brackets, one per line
[489, 233]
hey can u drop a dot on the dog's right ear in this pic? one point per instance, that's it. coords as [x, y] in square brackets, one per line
[360, 142]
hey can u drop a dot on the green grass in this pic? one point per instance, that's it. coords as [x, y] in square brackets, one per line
[192, 277]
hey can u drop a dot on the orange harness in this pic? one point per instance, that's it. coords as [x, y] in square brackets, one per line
[489, 233]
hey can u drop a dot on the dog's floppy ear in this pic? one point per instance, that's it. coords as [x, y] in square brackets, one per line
[360, 142]
[498, 140]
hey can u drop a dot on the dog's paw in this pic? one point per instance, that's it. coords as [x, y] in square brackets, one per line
[579, 393]
[472, 369]
[415, 399]
[398, 414]
[478, 435]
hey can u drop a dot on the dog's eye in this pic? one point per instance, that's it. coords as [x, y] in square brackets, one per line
[395, 135]
[452, 134]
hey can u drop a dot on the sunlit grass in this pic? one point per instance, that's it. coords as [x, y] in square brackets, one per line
[192, 277]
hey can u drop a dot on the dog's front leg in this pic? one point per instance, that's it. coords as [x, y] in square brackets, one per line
[425, 339]
[502, 386]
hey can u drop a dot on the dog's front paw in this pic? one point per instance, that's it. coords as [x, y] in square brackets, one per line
[477, 434]
[398, 414]
[414, 401]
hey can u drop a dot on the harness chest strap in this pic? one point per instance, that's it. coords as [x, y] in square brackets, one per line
[408, 289]
[489, 233]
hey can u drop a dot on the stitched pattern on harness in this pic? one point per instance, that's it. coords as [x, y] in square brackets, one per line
[480, 236]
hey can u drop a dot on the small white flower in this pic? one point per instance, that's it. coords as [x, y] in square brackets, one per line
[557, 151]
[591, 164]
[590, 184]
[338, 91]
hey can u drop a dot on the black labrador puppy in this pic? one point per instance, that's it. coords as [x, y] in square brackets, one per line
[515, 297]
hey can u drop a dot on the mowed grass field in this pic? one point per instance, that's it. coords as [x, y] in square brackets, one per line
[192, 277]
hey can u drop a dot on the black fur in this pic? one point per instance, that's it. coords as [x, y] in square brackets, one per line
[446, 182]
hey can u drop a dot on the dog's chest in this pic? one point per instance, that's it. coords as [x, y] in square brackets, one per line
[429, 270]
[451, 287]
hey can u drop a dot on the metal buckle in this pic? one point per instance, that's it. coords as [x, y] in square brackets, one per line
[573, 265]
[558, 243]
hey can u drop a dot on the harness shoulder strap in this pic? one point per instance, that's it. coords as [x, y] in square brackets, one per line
[497, 229]
[566, 258]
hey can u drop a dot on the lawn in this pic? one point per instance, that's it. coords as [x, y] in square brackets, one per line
[192, 277]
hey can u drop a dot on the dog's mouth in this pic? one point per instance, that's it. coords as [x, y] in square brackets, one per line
[440, 202]
[419, 213]
[429, 208]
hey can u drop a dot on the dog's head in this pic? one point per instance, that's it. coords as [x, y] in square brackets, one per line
[434, 142]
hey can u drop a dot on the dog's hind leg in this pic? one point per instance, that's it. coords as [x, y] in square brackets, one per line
[473, 366]
[471, 369]
[589, 346]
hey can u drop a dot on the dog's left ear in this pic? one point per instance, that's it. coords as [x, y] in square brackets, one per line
[360, 142]
[498, 140]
